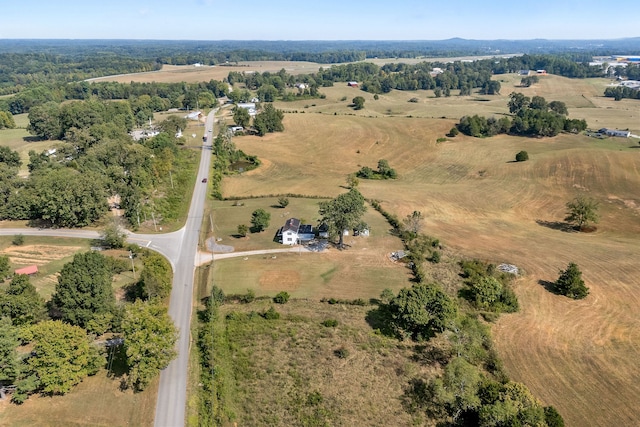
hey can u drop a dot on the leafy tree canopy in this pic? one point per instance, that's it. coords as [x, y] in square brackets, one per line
[149, 339]
[62, 356]
[84, 294]
[422, 311]
[343, 213]
[582, 211]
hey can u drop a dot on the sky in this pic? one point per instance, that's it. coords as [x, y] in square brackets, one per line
[317, 20]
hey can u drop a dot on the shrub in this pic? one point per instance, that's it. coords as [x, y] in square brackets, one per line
[435, 257]
[330, 323]
[271, 314]
[453, 132]
[522, 156]
[281, 298]
[18, 240]
[413, 100]
[341, 353]
[283, 202]
[242, 230]
[248, 297]
[439, 140]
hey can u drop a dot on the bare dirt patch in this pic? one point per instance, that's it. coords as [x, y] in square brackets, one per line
[280, 280]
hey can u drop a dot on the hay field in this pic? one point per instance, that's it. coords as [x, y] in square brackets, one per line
[579, 356]
[192, 74]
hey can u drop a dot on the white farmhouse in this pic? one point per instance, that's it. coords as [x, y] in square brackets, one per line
[292, 232]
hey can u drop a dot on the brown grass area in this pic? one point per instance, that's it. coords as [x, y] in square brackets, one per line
[278, 364]
[191, 74]
[97, 401]
[576, 355]
[279, 280]
[38, 254]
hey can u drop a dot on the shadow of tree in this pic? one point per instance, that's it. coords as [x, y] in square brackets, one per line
[380, 319]
[556, 225]
[549, 286]
[429, 355]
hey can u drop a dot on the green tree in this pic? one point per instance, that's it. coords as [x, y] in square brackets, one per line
[522, 156]
[281, 298]
[570, 283]
[84, 293]
[18, 240]
[518, 102]
[457, 390]
[62, 356]
[243, 230]
[68, 198]
[514, 406]
[9, 360]
[352, 181]
[149, 340]
[21, 302]
[156, 276]
[268, 120]
[241, 116]
[45, 121]
[4, 267]
[558, 107]
[358, 103]
[6, 120]
[259, 220]
[422, 311]
[342, 213]
[552, 417]
[9, 157]
[283, 202]
[112, 236]
[582, 211]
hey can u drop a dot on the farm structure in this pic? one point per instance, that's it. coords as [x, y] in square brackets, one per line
[29, 270]
[615, 132]
[249, 106]
[352, 84]
[293, 232]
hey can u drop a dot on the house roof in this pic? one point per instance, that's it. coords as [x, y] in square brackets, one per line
[31, 269]
[292, 224]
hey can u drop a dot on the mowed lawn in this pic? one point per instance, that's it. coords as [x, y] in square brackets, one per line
[362, 270]
[579, 356]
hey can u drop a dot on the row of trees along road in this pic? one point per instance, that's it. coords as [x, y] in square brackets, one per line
[61, 332]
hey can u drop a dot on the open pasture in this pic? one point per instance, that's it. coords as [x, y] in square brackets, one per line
[579, 356]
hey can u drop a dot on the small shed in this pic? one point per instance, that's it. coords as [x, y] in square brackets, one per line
[352, 84]
[29, 270]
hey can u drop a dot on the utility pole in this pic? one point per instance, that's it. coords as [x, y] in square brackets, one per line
[154, 221]
[133, 266]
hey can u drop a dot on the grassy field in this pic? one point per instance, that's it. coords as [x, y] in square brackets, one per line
[97, 401]
[577, 356]
[285, 372]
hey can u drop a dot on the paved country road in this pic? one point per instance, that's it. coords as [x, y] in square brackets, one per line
[180, 249]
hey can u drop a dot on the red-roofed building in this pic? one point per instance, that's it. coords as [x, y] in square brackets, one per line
[29, 270]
